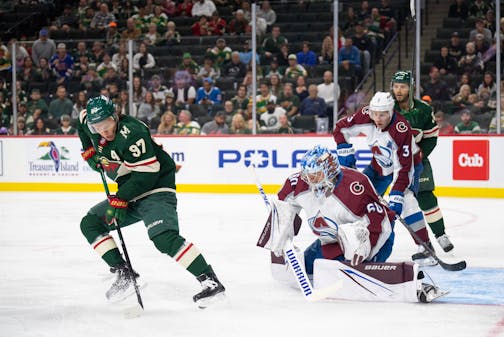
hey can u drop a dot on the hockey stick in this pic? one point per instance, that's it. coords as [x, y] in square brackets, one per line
[130, 313]
[446, 266]
[297, 267]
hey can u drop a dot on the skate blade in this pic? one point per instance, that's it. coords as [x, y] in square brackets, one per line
[118, 298]
[133, 312]
[426, 262]
[437, 295]
[206, 302]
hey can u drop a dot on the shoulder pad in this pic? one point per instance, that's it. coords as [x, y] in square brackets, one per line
[423, 106]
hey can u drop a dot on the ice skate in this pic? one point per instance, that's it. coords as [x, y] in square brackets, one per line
[428, 293]
[445, 243]
[123, 285]
[212, 292]
[423, 257]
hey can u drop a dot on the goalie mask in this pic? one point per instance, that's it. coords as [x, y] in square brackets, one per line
[319, 168]
[99, 109]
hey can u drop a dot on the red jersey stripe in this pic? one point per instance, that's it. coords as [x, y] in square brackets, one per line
[183, 253]
[102, 241]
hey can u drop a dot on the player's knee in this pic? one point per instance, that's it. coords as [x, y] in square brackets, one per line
[92, 226]
[168, 242]
[311, 253]
[385, 251]
[427, 200]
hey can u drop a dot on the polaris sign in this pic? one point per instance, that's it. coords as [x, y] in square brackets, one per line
[277, 158]
[261, 158]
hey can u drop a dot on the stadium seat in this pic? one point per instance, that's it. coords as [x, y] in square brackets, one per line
[198, 110]
[431, 55]
[216, 108]
[453, 23]
[306, 123]
[203, 119]
[41, 86]
[425, 67]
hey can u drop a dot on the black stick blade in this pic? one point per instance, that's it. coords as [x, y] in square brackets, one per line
[453, 267]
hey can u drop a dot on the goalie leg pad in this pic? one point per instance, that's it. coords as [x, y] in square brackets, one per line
[281, 272]
[389, 282]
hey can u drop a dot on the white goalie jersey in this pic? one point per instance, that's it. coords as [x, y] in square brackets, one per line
[352, 206]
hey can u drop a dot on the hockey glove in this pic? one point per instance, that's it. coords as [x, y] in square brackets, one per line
[396, 201]
[346, 155]
[116, 209]
[354, 239]
[92, 159]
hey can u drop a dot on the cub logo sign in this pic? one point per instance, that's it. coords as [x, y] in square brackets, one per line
[471, 159]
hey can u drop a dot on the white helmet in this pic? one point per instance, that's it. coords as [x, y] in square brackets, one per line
[382, 101]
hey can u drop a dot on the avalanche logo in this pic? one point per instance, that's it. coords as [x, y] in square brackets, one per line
[323, 226]
[401, 127]
[356, 188]
[383, 155]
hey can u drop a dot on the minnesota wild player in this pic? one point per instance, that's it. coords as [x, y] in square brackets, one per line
[145, 175]
[421, 118]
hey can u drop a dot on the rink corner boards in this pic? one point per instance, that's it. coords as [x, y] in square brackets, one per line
[462, 192]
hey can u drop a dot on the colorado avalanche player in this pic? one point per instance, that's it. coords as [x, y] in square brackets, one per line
[395, 155]
[342, 209]
[345, 213]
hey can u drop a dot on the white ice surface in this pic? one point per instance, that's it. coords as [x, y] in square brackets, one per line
[51, 281]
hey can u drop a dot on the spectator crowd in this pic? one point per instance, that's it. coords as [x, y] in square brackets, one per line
[192, 64]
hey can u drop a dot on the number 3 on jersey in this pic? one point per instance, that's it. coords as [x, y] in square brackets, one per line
[406, 151]
[138, 148]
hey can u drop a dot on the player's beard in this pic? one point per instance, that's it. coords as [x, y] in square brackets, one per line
[403, 99]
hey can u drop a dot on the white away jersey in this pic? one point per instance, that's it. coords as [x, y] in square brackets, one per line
[394, 148]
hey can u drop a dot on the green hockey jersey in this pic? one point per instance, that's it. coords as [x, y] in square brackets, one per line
[425, 129]
[133, 159]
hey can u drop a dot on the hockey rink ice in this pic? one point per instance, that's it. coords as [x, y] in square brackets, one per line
[52, 284]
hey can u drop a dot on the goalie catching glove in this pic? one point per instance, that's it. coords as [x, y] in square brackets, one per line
[354, 240]
[116, 209]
